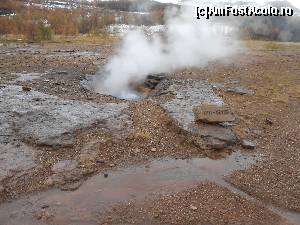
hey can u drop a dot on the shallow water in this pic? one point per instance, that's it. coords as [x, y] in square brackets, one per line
[134, 183]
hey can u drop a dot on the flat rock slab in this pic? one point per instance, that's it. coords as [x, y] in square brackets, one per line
[213, 114]
[192, 99]
[63, 171]
[241, 91]
[217, 132]
[188, 93]
[15, 159]
[248, 144]
[63, 166]
[48, 120]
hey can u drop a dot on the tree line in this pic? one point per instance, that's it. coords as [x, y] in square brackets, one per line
[37, 23]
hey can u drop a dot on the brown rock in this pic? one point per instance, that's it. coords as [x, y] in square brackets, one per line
[2, 189]
[26, 88]
[213, 114]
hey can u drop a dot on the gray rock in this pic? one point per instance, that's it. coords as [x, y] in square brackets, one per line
[248, 144]
[64, 166]
[49, 182]
[2, 189]
[216, 143]
[241, 91]
[217, 132]
[15, 160]
[188, 94]
[65, 172]
[213, 114]
[71, 186]
[53, 121]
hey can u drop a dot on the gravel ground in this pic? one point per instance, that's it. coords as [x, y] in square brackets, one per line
[205, 204]
[261, 88]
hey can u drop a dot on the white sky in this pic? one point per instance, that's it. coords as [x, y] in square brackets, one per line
[296, 3]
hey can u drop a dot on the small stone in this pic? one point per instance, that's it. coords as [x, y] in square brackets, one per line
[241, 91]
[111, 165]
[136, 151]
[216, 143]
[44, 206]
[248, 144]
[49, 182]
[64, 166]
[62, 72]
[71, 186]
[2, 189]
[26, 88]
[153, 149]
[269, 121]
[257, 132]
[100, 161]
[213, 114]
[193, 207]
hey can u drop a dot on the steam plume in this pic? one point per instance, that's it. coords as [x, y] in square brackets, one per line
[187, 42]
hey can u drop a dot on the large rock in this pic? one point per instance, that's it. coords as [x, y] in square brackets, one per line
[187, 93]
[15, 159]
[49, 120]
[213, 114]
[185, 108]
[64, 166]
[215, 132]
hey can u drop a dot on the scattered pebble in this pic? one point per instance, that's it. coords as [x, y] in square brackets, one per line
[248, 144]
[49, 182]
[153, 149]
[26, 88]
[269, 121]
[44, 206]
[193, 207]
[136, 151]
[100, 161]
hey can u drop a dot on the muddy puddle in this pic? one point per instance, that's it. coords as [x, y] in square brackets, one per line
[100, 192]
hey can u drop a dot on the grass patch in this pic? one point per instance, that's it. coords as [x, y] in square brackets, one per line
[277, 87]
[272, 45]
[78, 39]
[141, 136]
[12, 38]
[86, 39]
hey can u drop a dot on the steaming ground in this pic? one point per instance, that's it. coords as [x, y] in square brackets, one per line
[261, 87]
[185, 43]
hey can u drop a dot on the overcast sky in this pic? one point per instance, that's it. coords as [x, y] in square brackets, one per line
[296, 3]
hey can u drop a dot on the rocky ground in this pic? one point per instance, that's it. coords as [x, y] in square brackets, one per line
[217, 145]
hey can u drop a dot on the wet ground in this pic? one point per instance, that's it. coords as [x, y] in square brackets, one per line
[71, 156]
[133, 183]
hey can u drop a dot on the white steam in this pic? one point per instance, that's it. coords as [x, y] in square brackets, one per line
[187, 42]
